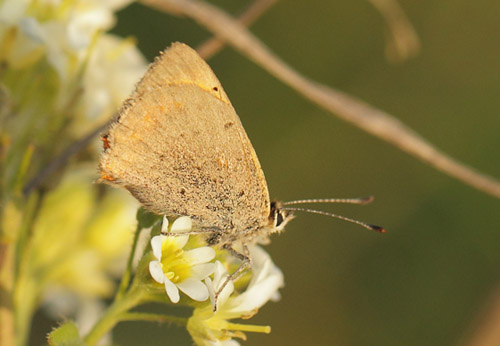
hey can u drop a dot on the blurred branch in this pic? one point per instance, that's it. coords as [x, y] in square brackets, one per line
[210, 47]
[402, 39]
[487, 325]
[62, 159]
[368, 118]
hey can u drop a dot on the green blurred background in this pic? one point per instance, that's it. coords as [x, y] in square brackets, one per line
[427, 280]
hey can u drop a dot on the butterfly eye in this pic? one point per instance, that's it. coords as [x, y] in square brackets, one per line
[274, 208]
[278, 218]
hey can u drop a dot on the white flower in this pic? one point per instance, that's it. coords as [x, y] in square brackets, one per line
[264, 285]
[64, 32]
[209, 328]
[178, 269]
[113, 68]
[90, 72]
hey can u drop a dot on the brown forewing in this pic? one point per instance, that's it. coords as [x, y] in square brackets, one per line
[179, 147]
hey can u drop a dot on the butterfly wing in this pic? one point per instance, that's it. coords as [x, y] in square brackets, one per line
[179, 147]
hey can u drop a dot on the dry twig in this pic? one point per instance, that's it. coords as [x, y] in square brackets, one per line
[370, 119]
[402, 40]
[213, 45]
[486, 328]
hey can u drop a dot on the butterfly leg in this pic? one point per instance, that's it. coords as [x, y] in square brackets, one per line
[205, 230]
[179, 234]
[246, 263]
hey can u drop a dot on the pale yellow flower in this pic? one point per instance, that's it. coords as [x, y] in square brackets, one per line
[96, 69]
[215, 328]
[78, 238]
[179, 269]
[62, 30]
[113, 68]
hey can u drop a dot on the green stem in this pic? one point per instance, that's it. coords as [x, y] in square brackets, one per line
[7, 334]
[124, 284]
[142, 316]
[26, 289]
[26, 297]
[114, 314]
[23, 167]
[30, 211]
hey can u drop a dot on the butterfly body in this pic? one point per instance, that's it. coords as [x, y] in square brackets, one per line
[179, 147]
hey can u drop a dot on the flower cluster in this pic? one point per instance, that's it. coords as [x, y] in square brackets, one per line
[178, 269]
[61, 75]
[71, 38]
[185, 270]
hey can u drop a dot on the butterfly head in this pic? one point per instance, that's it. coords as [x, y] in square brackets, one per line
[278, 218]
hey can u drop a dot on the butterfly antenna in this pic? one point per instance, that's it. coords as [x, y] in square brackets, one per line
[362, 224]
[361, 200]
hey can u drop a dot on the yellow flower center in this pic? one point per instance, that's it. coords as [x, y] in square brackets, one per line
[205, 325]
[175, 265]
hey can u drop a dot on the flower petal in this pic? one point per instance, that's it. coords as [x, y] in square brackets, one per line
[226, 292]
[262, 272]
[200, 255]
[211, 290]
[257, 295]
[194, 289]
[181, 225]
[31, 28]
[180, 240]
[156, 244]
[156, 271]
[173, 240]
[164, 225]
[258, 255]
[172, 291]
[220, 275]
[201, 271]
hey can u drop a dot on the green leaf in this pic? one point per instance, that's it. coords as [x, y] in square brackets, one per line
[65, 335]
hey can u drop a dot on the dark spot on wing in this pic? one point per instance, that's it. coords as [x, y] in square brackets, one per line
[105, 142]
